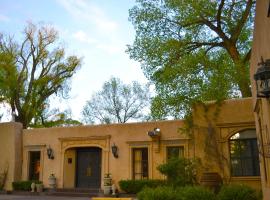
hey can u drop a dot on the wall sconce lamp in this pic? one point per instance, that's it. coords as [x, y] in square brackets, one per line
[154, 133]
[50, 153]
[115, 150]
[262, 78]
[155, 136]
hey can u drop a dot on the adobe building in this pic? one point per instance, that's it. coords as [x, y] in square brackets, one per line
[222, 135]
[261, 107]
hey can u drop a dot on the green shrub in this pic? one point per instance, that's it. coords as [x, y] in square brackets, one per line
[23, 185]
[237, 192]
[135, 186]
[195, 193]
[180, 171]
[172, 193]
[159, 193]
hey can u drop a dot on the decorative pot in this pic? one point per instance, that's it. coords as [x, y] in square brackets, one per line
[107, 181]
[33, 186]
[52, 181]
[39, 187]
[107, 189]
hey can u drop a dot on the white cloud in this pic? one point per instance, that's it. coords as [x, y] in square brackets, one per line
[83, 37]
[111, 48]
[88, 12]
[4, 18]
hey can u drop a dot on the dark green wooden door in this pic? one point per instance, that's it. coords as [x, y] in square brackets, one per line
[88, 168]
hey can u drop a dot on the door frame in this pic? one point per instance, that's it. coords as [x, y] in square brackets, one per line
[102, 142]
[84, 149]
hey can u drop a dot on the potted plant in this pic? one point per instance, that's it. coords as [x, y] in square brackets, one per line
[39, 186]
[107, 184]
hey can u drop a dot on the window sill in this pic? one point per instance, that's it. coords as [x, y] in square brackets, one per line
[248, 178]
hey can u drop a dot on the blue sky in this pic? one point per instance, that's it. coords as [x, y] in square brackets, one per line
[97, 30]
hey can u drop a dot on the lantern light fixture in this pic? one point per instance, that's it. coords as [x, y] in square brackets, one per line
[154, 133]
[115, 150]
[50, 153]
[262, 78]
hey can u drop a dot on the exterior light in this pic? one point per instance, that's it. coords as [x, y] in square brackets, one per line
[154, 133]
[50, 153]
[115, 150]
[262, 78]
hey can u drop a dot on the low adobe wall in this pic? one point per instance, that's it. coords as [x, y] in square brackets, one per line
[11, 152]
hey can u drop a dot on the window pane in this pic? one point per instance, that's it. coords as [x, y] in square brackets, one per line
[140, 163]
[175, 152]
[244, 154]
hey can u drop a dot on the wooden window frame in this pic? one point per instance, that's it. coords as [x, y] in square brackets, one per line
[145, 173]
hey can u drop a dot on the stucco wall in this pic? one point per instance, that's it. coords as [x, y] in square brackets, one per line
[125, 136]
[11, 152]
[260, 48]
[222, 121]
[214, 124]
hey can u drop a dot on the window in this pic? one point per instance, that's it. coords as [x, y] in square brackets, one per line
[175, 152]
[34, 165]
[244, 154]
[140, 163]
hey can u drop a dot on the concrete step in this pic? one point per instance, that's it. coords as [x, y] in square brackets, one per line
[76, 192]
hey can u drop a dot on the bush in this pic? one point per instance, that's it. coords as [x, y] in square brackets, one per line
[23, 185]
[135, 186]
[195, 193]
[171, 193]
[159, 193]
[180, 171]
[237, 192]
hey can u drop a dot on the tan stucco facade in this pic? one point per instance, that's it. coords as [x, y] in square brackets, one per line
[260, 48]
[10, 152]
[221, 120]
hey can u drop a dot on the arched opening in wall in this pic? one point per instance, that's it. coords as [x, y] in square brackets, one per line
[244, 155]
[82, 167]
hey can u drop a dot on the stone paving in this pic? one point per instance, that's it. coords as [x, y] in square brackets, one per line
[22, 197]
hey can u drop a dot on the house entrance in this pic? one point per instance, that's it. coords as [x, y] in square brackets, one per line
[88, 168]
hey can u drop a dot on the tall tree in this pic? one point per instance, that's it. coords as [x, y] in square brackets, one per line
[193, 50]
[117, 103]
[36, 68]
[54, 118]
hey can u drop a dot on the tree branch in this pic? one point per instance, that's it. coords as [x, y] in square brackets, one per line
[242, 21]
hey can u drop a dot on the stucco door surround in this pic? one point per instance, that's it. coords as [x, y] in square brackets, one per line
[102, 142]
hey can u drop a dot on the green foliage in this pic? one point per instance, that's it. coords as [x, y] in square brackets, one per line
[54, 118]
[237, 192]
[135, 186]
[24, 185]
[180, 171]
[32, 70]
[117, 103]
[159, 193]
[196, 193]
[182, 193]
[193, 50]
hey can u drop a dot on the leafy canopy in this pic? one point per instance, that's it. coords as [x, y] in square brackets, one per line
[32, 70]
[117, 103]
[193, 50]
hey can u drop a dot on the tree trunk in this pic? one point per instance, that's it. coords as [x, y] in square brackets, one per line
[242, 79]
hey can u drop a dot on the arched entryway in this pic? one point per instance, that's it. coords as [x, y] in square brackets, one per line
[82, 167]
